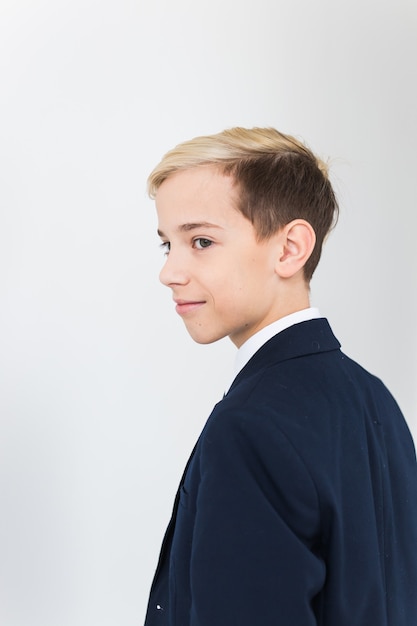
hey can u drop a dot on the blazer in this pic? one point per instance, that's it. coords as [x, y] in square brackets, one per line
[298, 506]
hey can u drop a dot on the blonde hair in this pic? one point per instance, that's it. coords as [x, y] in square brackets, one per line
[278, 178]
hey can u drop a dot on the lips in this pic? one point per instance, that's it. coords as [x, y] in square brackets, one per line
[187, 306]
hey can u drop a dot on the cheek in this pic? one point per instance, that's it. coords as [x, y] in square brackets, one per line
[236, 281]
[250, 275]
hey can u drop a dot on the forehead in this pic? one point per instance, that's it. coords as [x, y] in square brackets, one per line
[199, 196]
[198, 187]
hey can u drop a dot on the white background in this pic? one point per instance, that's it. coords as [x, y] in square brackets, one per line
[102, 392]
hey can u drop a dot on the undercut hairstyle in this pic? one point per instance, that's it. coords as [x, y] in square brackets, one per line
[278, 179]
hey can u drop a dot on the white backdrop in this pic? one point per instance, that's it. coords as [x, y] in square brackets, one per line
[102, 393]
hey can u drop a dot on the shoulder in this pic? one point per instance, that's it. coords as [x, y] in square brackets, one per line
[312, 405]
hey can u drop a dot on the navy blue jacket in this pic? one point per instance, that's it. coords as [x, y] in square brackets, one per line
[298, 506]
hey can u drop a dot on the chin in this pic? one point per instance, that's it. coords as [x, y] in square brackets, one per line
[204, 338]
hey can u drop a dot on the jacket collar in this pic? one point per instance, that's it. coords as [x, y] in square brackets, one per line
[310, 337]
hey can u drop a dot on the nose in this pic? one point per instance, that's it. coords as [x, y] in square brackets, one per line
[174, 271]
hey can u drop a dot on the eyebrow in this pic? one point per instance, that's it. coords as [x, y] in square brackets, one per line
[185, 228]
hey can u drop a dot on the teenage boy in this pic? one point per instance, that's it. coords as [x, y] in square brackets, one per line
[298, 506]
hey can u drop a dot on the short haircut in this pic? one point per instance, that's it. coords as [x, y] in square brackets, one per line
[278, 178]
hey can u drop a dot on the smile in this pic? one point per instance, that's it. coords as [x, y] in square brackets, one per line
[187, 306]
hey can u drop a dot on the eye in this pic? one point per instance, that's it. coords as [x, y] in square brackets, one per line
[165, 246]
[200, 243]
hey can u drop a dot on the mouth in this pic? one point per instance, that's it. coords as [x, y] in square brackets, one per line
[187, 306]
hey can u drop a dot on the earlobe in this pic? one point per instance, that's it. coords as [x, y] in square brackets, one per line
[297, 243]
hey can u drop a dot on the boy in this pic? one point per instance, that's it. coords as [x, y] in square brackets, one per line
[298, 506]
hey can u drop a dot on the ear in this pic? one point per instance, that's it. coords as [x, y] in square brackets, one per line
[297, 241]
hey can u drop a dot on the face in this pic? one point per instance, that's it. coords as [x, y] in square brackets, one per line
[223, 280]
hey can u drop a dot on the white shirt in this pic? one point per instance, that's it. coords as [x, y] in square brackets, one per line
[252, 345]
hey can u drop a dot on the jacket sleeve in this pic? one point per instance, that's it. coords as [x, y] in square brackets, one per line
[255, 557]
